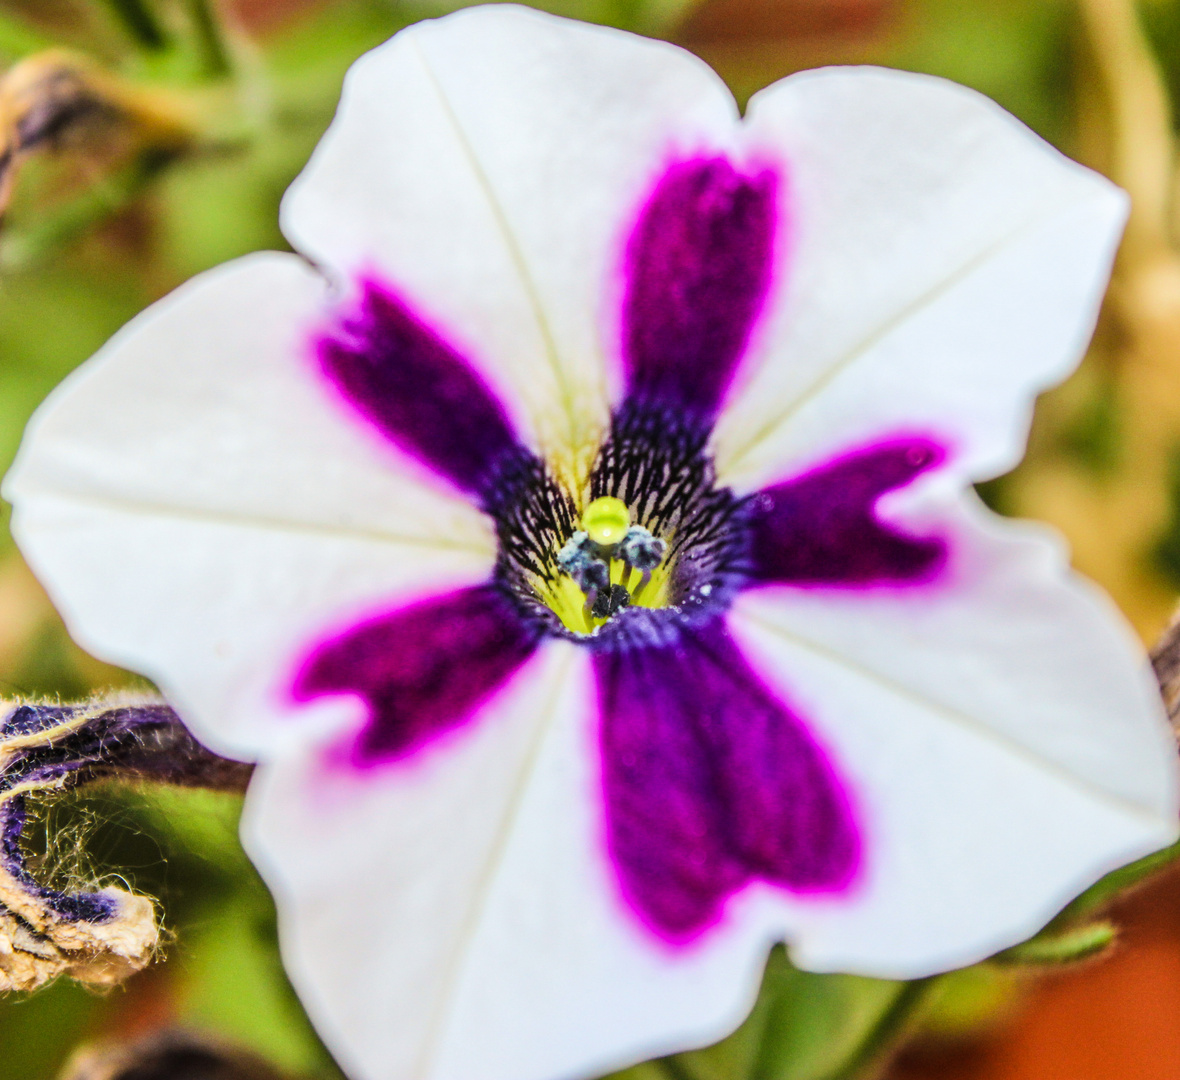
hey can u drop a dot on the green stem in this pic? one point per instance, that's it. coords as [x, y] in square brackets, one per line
[887, 1033]
[674, 1069]
[210, 40]
[139, 21]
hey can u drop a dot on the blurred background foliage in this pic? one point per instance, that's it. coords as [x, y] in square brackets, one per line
[216, 105]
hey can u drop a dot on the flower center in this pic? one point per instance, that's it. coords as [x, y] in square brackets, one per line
[607, 565]
[651, 545]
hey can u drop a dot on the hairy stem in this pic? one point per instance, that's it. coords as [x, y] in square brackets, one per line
[102, 936]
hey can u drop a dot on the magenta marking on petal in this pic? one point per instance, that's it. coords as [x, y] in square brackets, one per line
[698, 267]
[710, 782]
[420, 393]
[821, 528]
[422, 670]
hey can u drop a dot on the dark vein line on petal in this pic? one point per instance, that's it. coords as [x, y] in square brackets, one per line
[959, 718]
[863, 347]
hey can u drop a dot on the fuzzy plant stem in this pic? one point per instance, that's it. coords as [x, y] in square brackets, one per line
[102, 936]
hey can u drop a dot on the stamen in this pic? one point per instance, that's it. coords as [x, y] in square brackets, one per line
[579, 559]
[604, 563]
[642, 550]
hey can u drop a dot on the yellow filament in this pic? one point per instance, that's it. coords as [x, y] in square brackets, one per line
[568, 601]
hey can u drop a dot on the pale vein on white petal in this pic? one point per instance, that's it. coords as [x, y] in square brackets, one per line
[230, 519]
[880, 333]
[483, 886]
[514, 249]
[959, 719]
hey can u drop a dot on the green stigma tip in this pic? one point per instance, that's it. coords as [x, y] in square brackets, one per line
[606, 521]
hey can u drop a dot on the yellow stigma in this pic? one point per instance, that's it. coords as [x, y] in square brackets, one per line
[606, 521]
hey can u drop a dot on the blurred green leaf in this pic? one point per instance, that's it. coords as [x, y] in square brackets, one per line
[1017, 52]
[963, 1001]
[18, 39]
[1094, 437]
[226, 947]
[230, 958]
[649, 1070]
[208, 39]
[1161, 23]
[51, 320]
[48, 233]
[39, 1032]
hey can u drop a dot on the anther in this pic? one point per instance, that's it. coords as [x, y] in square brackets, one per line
[576, 556]
[642, 550]
[580, 559]
[610, 601]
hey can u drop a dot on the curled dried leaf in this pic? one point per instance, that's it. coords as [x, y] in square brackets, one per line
[38, 944]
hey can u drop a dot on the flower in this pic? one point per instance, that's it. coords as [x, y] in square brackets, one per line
[583, 542]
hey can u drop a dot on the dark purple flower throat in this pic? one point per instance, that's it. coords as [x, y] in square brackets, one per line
[709, 780]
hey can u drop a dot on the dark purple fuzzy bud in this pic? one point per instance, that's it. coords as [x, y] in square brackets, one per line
[102, 936]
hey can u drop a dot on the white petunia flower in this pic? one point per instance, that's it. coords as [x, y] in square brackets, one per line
[583, 541]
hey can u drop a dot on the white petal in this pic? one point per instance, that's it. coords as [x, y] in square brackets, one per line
[1001, 735]
[506, 953]
[943, 266]
[488, 164]
[458, 919]
[200, 507]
